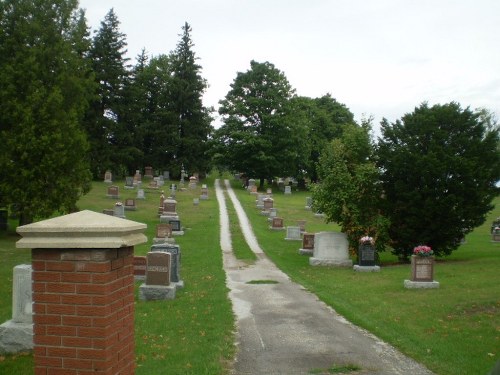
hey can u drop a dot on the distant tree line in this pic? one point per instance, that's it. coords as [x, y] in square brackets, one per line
[72, 107]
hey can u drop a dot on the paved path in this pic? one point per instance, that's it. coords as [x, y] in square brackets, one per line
[284, 330]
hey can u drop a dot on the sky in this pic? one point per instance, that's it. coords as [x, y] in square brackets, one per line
[381, 58]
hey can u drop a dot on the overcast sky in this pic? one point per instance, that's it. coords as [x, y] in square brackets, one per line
[380, 58]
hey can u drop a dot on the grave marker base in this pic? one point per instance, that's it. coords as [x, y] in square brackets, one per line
[359, 268]
[421, 284]
[16, 337]
[156, 292]
[330, 262]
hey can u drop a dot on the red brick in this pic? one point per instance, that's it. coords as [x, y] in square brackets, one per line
[39, 308]
[46, 276]
[117, 263]
[104, 321]
[65, 371]
[48, 361]
[76, 277]
[77, 321]
[40, 371]
[61, 352]
[77, 342]
[60, 266]
[61, 330]
[104, 278]
[46, 340]
[91, 289]
[95, 267]
[93, 354]
[109, 342]
[47, 319]
[60, 288]
[93, 310]
[76, 299]
[38, 265]
[61, 309]
[40, 350]
[38, 288]
[78, 364]
[46, 298]
[91, 332]
[45, 254]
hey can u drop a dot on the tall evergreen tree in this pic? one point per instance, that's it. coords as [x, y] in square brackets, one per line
[193, 119]
[44, 90]
[110, 68]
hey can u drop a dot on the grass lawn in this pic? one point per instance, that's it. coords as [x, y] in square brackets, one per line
[453, 330]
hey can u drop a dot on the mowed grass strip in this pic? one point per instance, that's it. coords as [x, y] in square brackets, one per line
[452, 330]
[193, 334]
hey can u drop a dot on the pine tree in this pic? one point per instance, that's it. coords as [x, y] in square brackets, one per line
[44, 90]
[110, 68]
[192, 118]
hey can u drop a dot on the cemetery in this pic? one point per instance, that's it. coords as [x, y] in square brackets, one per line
[189, 287]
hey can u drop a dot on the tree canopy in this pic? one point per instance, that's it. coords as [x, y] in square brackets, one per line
[439, 168]
[45, 87]
[260, 136]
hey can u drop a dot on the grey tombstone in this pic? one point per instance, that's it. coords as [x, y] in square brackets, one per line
[108, 212]
[137, 178]
[273, 212]
[113, 192]
[16, 335]
[166, 175]
[175, 264]
[307, 244]
[176, 227]
[119, 210]
[130, 204]
[288, 189]
[302, 225]
[330, 249]
[129, 182]
[260, 200]
[204, 193]
[196, 201]
[309, 202]
[268, 203]
[293, 234]
[157, 285]
[140, 194]
[108, 177]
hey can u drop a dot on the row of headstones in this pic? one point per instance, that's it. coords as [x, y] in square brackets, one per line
[252, 187]
[137, 178]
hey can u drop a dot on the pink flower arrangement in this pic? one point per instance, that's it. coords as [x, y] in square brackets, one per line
[367, 240]
[423, 251]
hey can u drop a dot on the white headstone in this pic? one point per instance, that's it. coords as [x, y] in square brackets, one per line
[21, 294]
[331, 249]
[288, 189]
[293, 234]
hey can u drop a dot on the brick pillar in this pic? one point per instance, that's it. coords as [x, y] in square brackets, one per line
[83, 293]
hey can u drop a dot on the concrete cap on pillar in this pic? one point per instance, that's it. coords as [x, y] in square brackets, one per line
[81, 230]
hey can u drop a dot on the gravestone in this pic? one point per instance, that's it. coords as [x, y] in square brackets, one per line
[157, 285]
[130, 204]
[192, 182]
[148, 172]
[119, 210]
[175, 261]
[269, 191]
[204, 193]
[163, 233]
[268, 203]
[140, 194]
[307, 244]
[169, 211]
[129, 182]
[196, 201]
[139, 267]
[108, 212]
[160, 207]
[273, 212]
[367, 257]
[330, 249]
[153, 184]
[251, 182]
[16, 335]
[260, 200]
[137, 178]
[309, 202]
[166, 175]
[176, 227]
[293, 234]
[277, 224]
[113, 192]
[108, 177]
[288, 189]
[173, 190]
[302, 225]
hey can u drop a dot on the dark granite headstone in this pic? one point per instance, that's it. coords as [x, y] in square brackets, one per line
[158, 268]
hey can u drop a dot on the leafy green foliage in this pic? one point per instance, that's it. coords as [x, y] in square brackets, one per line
[440, 165]
[260, 136]
[348, 192]
[45, 88]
